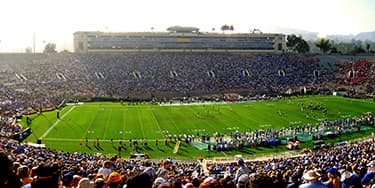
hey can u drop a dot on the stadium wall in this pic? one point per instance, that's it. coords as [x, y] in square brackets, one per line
[86, 42]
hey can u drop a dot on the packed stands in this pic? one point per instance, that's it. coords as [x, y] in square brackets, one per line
[41, 81]
[352, 161]
[357, 72]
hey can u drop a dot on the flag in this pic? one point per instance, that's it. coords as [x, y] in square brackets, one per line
[176, 147]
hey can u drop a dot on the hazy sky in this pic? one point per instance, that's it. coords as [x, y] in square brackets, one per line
[56, 20]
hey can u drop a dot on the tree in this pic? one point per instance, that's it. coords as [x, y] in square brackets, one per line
[65, 51]
[225, 28]
[367, 46]
[297, 44]
[231, 28]
[342, 48]
[352, 47]
[323, 44]
[50, 48]
[28, 50]
[358, 50]
[334, 50]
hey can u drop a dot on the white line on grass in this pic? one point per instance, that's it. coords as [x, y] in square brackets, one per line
[224, 154]
[140, 121]
[123, 124]
[174, 123]
[106, 124]
[77, 140]
[55, 124]
[206, 122]
[91, 123]
[157, 123]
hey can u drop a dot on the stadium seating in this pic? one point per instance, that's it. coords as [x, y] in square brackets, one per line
[75, 75]
[32, 82]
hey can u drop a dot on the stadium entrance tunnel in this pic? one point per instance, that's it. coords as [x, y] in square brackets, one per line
[22, 135]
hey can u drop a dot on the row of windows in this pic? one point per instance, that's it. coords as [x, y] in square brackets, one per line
[181, 46]
[184, 39]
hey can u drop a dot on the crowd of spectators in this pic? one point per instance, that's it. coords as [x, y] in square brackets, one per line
[9, 127]
[42, 80]
[269, 137]
[351, 165]
[39, 81]
[356, 75]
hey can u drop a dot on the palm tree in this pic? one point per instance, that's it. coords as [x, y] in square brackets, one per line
[367, 46]
[323, 44]
[231, 28]
[224, 28]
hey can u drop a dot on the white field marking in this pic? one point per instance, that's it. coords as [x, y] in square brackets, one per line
[157, 123]
[141, 122]
[224, 154]
[106, 124]
[78, 140]
[193, 103]
[55, 124]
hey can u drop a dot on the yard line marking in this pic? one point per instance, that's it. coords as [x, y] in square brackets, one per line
[174, 123]
[141, 122]
[224, 154]
[106, 124]
[55, 124]
[123, 124]
[205, 122]
[157, 123]
[92, 121]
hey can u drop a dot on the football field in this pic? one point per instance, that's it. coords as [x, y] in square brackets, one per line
[81, 126]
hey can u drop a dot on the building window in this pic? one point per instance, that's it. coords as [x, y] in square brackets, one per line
[80, 45]
[279, 46]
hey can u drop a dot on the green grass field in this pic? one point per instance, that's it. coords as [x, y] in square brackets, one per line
[106, 121]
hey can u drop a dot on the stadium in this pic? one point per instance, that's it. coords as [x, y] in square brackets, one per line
[203, 103]
[177, 39]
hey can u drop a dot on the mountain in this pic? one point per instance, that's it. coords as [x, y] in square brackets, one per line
[341, 38]
[366, 36]
[313, 36]
[307, 35]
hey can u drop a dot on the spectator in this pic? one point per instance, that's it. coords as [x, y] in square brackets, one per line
[149, 170]
[67, 180]
[7, 177]
[105, 170]
[164, 170]
[100, 183]
[114, 180]
[261, 181]
[242, 169]
[295, 182]
[84, 183]
[333, 178]
[349, 179]
[23, 173]
[140, 180]
[46, 177]
[158, 181]
[311, 178]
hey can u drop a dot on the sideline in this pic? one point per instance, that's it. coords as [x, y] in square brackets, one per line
[55, 124]
[92, 139]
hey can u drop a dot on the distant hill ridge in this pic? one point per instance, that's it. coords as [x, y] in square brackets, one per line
[308, 35]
